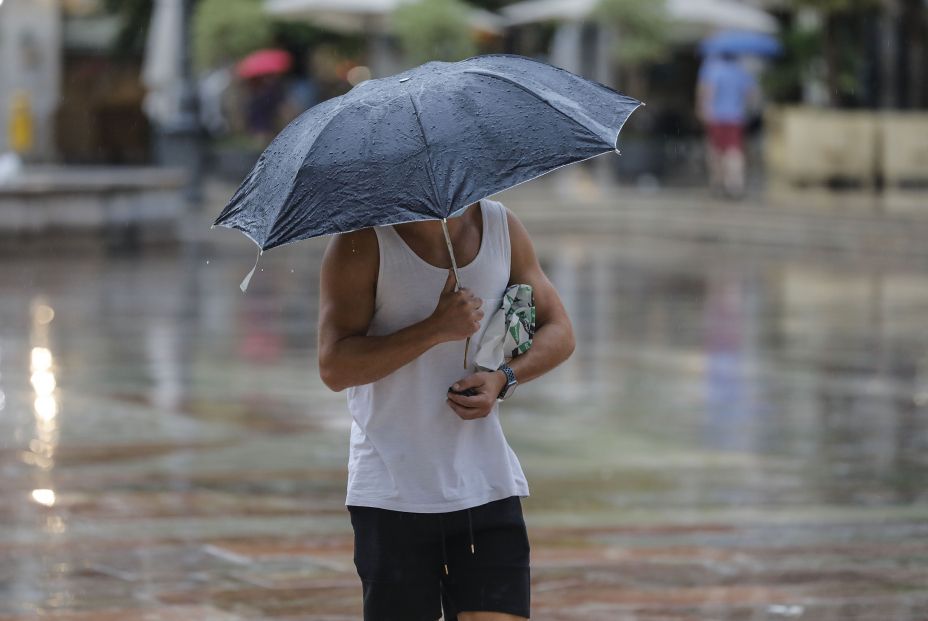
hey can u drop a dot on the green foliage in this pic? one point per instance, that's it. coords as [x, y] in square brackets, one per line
[802, 47]
[227, 30]
[642, 27]
[434, 30]
[135, 16]
[298, 36]
[837, 6]
[832, 49]
[492, 5]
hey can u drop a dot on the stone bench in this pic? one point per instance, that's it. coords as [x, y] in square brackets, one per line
[111, 200]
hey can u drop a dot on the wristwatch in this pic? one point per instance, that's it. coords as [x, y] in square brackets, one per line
[511, 382]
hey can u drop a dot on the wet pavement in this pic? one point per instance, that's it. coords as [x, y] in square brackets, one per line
[740, 435]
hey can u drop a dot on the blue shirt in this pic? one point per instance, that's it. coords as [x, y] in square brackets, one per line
[730, 86]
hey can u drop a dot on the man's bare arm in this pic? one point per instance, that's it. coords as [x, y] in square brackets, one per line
[552, 344]
[347, 355]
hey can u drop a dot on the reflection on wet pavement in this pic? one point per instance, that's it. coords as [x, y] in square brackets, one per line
[736, 438]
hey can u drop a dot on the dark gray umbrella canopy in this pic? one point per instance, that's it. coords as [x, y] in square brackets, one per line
[421, 145]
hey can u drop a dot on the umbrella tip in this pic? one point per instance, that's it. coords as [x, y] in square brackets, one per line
[245, 281]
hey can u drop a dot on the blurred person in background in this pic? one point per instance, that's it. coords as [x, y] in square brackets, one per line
[725, 93]
[214, 95]
[301, 94]
[266, 95]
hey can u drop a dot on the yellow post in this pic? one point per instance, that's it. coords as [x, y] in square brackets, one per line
[20, 123]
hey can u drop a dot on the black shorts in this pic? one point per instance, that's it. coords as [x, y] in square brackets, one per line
[415, 565]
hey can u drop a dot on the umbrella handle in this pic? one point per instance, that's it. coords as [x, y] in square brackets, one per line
[457, 277]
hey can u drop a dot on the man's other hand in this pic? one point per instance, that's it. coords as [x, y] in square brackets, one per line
[488, 386]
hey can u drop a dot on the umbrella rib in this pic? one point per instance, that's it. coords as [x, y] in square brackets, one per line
[491, 74]
[428, 151]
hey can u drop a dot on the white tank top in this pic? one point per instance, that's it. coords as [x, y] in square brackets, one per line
[409, 451]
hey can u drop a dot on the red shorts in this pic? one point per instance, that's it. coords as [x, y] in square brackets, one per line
[725, 136]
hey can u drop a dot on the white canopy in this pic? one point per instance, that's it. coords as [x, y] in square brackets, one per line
[362, 15]
[690, 17]
[716, 14]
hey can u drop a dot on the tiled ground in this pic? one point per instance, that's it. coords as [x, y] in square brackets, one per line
[739, 437]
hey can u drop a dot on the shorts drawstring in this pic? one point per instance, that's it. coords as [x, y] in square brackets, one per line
[444, 550]
[470, 529]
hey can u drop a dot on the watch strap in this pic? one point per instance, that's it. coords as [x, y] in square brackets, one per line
[510, 380]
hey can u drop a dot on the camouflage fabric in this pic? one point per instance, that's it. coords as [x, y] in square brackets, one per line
[510, 330]
[519, 306]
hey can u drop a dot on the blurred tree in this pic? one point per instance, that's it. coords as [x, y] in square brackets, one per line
[434, 30]
[642, 30]
[298, 37]
[915, 30]
[136, 15]
[841, 56]
[783, 80]
[492, 5]
[226, 30]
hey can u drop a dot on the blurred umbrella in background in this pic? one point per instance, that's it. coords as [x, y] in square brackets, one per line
[163, 70]
[697, 17]
[738, 43]
[264, 62]
[423, 145]
[172, 102]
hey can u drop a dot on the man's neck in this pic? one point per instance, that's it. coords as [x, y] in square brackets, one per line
[430, 231]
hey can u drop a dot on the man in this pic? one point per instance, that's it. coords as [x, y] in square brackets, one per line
[725, 91]
[433, 487]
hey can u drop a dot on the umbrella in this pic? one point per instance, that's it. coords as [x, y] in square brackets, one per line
[264, 62]
[422, 145]
[741, 42]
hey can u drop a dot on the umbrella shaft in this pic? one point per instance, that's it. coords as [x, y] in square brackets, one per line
[457, 278]
[454, 264]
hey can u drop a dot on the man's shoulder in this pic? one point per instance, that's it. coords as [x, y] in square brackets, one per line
[356, 253]
[355, 242]
[498, 206]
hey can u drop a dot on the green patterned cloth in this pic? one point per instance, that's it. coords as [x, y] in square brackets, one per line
[510, 329]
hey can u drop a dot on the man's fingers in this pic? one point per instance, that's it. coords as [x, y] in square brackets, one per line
[449, 283]
[471, 381]
[464, 412]
[468, 402]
